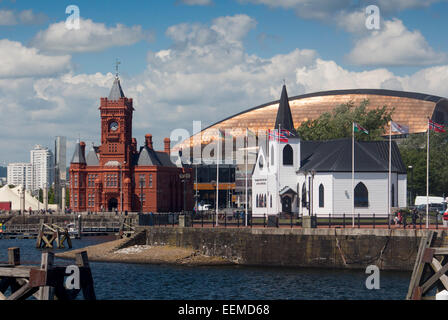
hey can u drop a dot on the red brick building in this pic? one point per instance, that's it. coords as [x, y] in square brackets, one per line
[118, 176]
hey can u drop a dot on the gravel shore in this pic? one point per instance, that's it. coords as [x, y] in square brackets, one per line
[145, 254]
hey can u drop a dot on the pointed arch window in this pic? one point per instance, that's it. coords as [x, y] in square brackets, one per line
[361, 196]
[321, 196]
[288, 157]
[392, 196]
[304, 195]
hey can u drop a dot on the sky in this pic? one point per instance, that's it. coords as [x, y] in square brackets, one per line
[200, 60]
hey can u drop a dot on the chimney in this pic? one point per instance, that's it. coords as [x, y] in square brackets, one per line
[148, 141]
[167, 143]
[82, 144]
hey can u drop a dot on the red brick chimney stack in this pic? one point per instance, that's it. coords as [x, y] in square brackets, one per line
[167, 143]
[148, 141]
[82, 144]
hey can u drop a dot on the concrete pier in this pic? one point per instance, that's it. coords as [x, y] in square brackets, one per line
[394, 249]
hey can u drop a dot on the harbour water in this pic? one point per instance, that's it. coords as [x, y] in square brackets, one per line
[148, 282]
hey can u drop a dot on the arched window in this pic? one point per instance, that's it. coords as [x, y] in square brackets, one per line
[288, 158]
[321, 196]
[271, 200]
[261, 163]
[361, 196]
[392, 196]
[272, 155]
[264, 202]
[256, 202]
[304, 195]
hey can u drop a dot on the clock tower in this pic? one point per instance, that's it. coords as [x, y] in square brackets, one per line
[116, 126]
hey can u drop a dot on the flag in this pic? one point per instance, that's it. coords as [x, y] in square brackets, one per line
[358, 128]
[275, 135]
[396, 127]
[435, 126]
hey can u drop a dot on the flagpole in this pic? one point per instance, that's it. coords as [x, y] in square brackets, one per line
[267, 173]
[427, 178]
[247, 156]
[390, 172]
[278, 166]
[217, 176]
[353, 175]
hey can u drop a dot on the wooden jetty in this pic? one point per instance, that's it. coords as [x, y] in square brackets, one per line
[430, 270]
[50, 233]
[44, 282]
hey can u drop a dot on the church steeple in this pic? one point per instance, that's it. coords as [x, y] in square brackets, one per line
[284, 116]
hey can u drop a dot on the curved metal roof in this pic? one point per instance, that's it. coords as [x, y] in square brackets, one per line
[411, 109]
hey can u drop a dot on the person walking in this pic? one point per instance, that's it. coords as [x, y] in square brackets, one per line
[445, 218]
[414, 217]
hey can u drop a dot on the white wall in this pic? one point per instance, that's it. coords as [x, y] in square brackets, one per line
[376, 184]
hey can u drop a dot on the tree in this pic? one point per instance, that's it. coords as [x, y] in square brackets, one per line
[413, 152]
[339, 123]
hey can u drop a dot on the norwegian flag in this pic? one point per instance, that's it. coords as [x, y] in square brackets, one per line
[435, 126]
[275, 135]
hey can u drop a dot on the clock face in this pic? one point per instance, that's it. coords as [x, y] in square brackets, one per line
[113, 126]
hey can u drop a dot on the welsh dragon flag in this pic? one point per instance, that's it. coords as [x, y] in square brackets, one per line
[358, 128]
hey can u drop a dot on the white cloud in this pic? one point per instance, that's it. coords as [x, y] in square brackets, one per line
[10, 18]
[20, 61]
[205, 75]
[327, 9]
[90, 37]
[394, 45]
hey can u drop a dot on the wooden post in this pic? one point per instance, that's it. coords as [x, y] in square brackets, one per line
[86, 282]
[46, 293]
[14, 256]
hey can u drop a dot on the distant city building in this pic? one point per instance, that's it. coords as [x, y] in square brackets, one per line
[60, 168]
[315, 177]
[42, 163]
[20, 174]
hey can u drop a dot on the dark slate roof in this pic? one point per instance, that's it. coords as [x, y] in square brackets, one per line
[149, 157]
[116, 92]
[92, 158]
[336, 156]
[78, 156]
[284, 116]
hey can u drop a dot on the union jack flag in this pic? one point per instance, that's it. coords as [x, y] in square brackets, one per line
[435, 126]
[282, 136]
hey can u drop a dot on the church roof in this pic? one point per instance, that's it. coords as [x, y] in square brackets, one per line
[284, 116]
[92, 158]
[116, 92]
[78, 155]
[336, 156]
[149, 157]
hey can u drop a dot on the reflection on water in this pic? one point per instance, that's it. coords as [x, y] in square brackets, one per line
[133, 281]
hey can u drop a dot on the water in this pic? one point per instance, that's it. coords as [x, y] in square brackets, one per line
[148, 282]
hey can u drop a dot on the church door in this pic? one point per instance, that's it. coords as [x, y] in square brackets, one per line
[286, 204]
[112, 204]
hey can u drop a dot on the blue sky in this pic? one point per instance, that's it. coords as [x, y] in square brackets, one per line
[187, 60]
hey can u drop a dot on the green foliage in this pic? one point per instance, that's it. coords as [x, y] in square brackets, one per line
[339, 123]
[51, 196]
[67, 197]
[413, 152]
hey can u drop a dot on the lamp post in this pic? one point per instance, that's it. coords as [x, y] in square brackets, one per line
[184, 177]
[142, 184]
[313, 172]
[411, 184]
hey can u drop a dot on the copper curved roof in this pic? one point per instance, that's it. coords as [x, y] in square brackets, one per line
[411, 109]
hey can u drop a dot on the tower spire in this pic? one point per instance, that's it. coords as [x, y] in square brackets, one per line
[117, 63]
[284, 116]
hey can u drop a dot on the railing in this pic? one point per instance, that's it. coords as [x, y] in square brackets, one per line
[238, 220]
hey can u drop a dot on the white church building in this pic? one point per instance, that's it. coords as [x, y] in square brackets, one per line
[316, 176]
